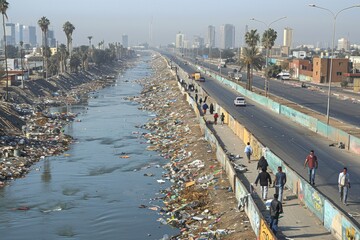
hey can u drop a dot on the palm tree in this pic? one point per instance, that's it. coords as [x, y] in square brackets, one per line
[268, 41]
[44, 25]
[4, 5]
[63, 56]
[252, 38]
[68, 29]
[250, 57]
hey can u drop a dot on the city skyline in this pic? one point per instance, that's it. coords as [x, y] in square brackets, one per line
[158, 21]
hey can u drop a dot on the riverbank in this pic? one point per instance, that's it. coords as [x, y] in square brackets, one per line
[200, 202]
[29, 132]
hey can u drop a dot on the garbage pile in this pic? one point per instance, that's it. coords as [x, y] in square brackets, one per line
[29, 132]
[200, 201]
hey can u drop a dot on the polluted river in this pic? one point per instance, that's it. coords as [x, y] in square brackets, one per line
[95, 190]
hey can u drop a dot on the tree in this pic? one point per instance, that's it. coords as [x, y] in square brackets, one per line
[250, 56]
[75, 62]
[63, 55]
[44, 25]
[268, 40]
[4, 5]
[252, 38]
[83, 52]
[68, 29]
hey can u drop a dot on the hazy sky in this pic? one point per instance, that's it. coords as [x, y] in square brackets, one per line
[109, 19]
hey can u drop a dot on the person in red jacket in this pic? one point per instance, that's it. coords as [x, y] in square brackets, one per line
[216, 116]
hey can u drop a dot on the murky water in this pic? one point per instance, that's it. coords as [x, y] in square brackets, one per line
[92, 192]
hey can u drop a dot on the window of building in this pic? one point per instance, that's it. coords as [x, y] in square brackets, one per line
[316, 73]
[340, 63]
[338, 73]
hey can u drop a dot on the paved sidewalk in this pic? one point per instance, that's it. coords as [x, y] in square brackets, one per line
[297, 222]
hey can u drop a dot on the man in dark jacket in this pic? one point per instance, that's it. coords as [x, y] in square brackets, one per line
[265, 181]
[262, 164]
[275, 211]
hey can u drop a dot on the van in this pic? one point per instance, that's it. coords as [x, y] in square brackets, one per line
[283, 76]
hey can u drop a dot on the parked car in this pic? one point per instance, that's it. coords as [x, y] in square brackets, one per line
[239, 101]
[201, 79]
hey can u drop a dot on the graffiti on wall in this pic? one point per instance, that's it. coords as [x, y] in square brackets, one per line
[265, 233]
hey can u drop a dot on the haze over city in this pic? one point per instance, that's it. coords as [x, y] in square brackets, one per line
[109, 19]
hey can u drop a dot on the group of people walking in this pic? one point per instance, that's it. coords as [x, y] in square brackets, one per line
[205, 107]
[264, 178]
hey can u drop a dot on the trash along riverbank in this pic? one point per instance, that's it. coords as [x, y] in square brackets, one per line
[200, 201]
[29, 132]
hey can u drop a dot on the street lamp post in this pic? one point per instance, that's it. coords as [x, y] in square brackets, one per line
[334, 15]
[220, 61]
[266, 87]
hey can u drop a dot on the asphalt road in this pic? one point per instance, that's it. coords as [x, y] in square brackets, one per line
[344, 110]
[292, 143]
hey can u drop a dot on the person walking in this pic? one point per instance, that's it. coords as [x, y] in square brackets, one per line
[344, 185]
[200, 101]
[222, 118]
[216, 116]
[265, 182]
[211, 108]
[275, 210]
[196, 97]
[262, 164]
[248, 151]
[312, 163]
[205, 107]
[279, 183]
[205, 98]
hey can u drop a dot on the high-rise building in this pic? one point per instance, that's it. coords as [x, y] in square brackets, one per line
[19, 33]
[51, 41]
[211, 37]
[125, 41]
[288, 35]
[198, 42]
[227, 36]
[343, 44]
[179, 41]
[32, 36]
[10, 33]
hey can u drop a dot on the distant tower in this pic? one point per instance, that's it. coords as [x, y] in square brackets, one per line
[19, 33]
[211, 36]
[125, 41]
[288, 35]
[227, 36]
[179, 41]
[343, 44]
[10, 33]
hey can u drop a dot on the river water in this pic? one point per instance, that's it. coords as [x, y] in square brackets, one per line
[91, 192]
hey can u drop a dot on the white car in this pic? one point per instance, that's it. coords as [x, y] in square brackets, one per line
[239, 101]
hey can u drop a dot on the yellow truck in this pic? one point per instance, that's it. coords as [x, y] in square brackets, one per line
[197, 77]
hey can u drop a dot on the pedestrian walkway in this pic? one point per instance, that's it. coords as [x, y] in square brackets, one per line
[296, 222]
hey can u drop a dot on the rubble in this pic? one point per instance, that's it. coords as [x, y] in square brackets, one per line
[199, 202]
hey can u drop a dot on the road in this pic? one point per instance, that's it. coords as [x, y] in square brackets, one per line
[292, 143]
[345, 111]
